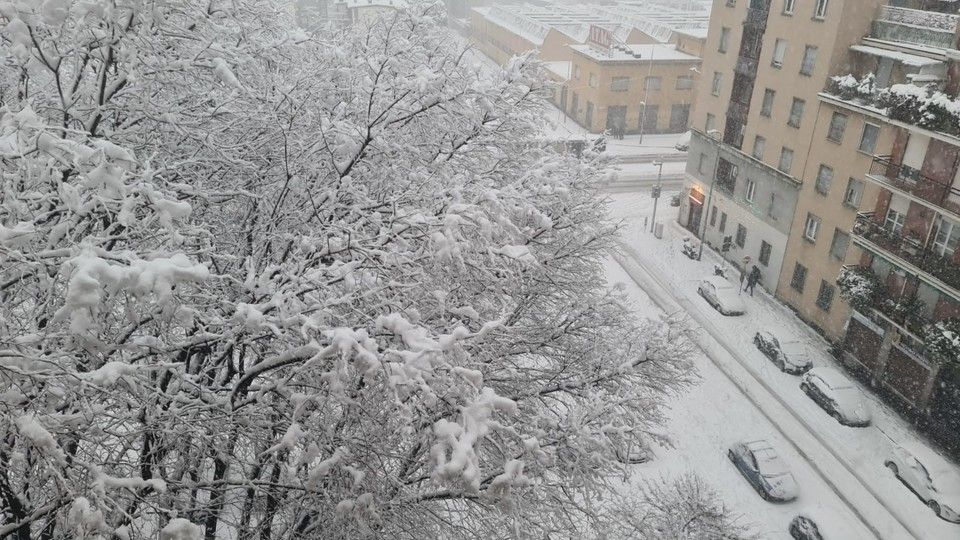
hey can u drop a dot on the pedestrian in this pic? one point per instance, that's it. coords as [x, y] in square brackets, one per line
[743, 276]
[753, 279]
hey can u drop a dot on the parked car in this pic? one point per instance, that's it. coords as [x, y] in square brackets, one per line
[760, 464]
[930, 477]
[821, 523]
[722, 295]
[789, 356]
[837, 395]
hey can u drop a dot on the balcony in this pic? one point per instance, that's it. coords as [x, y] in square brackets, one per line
[757, 17]
[907, 252]
[746, 67]
[916, 26]
[911, 182]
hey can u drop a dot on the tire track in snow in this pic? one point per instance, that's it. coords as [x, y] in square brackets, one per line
[670, 304]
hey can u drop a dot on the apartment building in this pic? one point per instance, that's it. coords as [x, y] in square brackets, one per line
[832, 147]
[764, 64]
[630, 67]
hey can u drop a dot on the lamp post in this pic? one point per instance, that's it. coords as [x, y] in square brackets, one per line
[656, 193]
[713, 180]
[646, 92]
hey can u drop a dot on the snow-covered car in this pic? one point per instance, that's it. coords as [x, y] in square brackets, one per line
[837, 395]
[722, 295]
[789, 356]
[760, 464]
[930, 477]
[821, 523]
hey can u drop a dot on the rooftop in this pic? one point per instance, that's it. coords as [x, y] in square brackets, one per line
[635, 53]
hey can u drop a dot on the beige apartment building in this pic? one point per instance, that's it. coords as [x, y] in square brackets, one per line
[635, 73]
[764, 64]
[822, 167]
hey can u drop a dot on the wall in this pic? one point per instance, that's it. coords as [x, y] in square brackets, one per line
[603, 97]
[847, 161]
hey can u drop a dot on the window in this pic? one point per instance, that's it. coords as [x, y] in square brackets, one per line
[825, 296]
[684, 82]
[868, 140]
[711, 123]
[948, 233]
[841, 241]
[809, 60]
[679, 116]
[786, 160]
[715, 87]
[824, 179]
[713, 216]
[701, 163]
[723, 222]
[592, 81]
[796, 112]
[799, 277]
[758, 145]
[854, 193]
[788, 6]
[765, 250]
[620, 84]
[751, 190]
[894, 221]
[811, 228]
[576, 71]
[648, 117]
[651, 83]
[779, 52]
[838, 124]
[741, 235]
[772, 209]
[821, 10]
[767, 107]
[724, 40]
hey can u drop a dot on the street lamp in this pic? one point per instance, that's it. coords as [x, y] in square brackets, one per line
[713, 180]
[656, 192]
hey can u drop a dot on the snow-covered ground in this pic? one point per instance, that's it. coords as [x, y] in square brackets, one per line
[705, 421]
[850, 458]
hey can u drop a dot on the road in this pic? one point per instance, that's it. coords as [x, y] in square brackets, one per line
[850, 459]
[712, 415]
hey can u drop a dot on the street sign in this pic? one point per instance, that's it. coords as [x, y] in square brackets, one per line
[655, 192]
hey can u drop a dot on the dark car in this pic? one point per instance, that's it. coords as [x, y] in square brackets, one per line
[836, 395]
[760, 464]
[789, 356]
[822, 523]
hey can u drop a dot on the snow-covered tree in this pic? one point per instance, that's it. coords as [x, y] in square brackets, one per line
[269, 286]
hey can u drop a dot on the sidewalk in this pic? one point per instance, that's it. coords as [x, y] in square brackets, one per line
[860, 451]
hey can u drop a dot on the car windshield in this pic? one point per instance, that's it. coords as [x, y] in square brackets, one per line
[769, 463]
[791, 347]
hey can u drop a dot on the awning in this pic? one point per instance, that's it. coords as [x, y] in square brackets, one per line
[902, 57]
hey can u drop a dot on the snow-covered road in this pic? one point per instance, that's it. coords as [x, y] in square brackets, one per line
[710, 417]
[848, 458]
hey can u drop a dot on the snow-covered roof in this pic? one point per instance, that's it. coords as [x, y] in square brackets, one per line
[636, 53]
[560, 68]
[898, 56]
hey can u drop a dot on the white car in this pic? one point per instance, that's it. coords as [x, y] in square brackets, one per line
[837, 395]
[722, 295]
[930, 477]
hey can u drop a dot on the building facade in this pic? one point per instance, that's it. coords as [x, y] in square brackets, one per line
[764, 64]
[629, 67]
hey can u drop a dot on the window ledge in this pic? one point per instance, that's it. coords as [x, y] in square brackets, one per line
[808, 239]
[835, 141]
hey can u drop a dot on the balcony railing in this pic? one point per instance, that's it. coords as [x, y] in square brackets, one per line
[909, 249]
[916, 17]
[757, 17]
[915, 183]
[746, 66]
